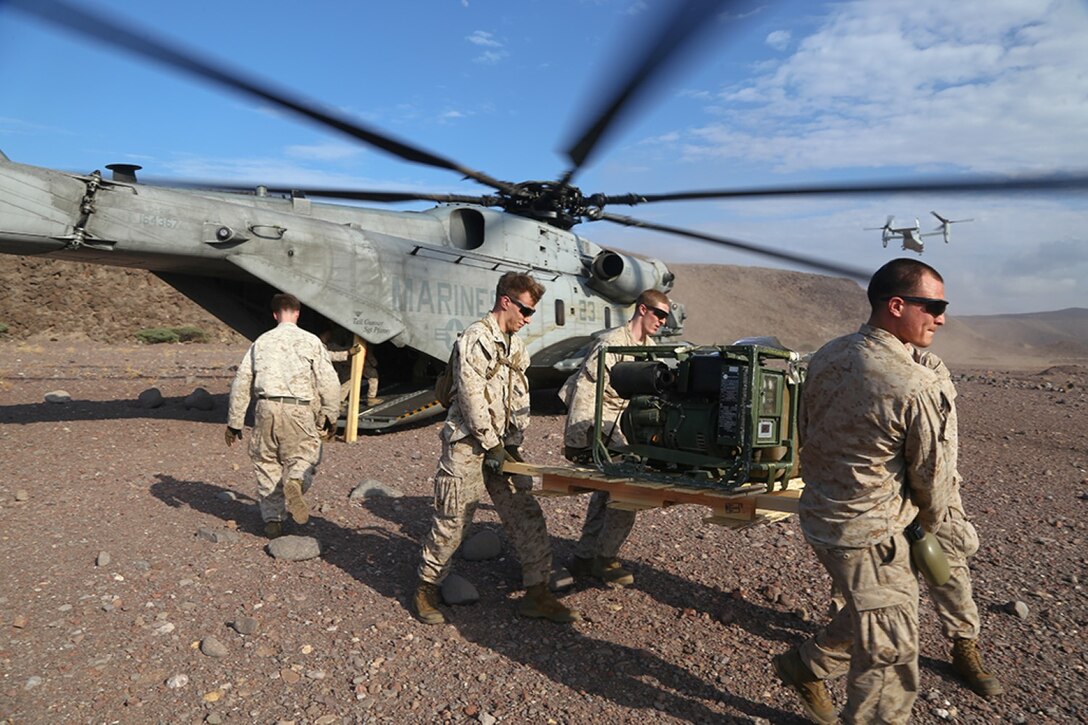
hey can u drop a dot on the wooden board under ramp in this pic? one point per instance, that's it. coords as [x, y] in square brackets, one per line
[732, 510]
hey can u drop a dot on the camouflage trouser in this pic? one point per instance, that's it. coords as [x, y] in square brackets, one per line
[604, 530]
[345, 390]
[370, 372]
[459, 485]
[953, 602]
[874, 640]
[285, 444]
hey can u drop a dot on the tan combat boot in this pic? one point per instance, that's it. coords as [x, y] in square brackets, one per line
[967, 663]
[815, 699]
[273, 529]
[425, 603]
[296, 504]
[610, 572]
[540, 603]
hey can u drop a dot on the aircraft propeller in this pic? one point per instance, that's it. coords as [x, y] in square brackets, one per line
[945, 222]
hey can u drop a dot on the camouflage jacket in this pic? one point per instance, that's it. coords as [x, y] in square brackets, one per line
[580, 394]
[491, 391]
[936, 364]
[878, 434]
[286, 362]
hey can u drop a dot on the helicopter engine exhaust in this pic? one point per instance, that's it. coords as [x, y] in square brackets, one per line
[623, 277]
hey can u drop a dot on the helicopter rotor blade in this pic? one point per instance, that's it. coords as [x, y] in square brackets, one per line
[1072, 182]
[329, 193]
[677, 32]
[393, 196]
[113, 33]
[854, 273]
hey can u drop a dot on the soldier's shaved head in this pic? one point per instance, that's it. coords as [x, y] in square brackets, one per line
[898, 277]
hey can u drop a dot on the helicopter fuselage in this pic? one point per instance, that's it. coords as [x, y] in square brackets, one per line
[411, 279]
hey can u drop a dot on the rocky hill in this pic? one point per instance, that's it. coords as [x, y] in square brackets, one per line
[47, 299]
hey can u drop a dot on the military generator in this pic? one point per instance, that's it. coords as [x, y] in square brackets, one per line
[722, 417]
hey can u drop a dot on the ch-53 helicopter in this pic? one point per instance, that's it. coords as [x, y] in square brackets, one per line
[912, 237]
[406, 282]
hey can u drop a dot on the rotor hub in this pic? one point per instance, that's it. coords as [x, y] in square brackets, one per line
[555, 203]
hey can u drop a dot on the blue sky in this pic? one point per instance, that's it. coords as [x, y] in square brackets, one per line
[796, 92]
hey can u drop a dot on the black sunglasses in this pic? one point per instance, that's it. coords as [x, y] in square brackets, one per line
[526, 312]
[931, 305]
[658, 313]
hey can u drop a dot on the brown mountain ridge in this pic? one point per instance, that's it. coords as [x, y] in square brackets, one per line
[48, 299]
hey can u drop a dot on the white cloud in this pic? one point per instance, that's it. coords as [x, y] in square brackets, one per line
[779, 39]
[483, 38]
[496, 51]
[1000, 86]
[322, 152]
[490, 57]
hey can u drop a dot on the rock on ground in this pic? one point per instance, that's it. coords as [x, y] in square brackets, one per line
[212, 647]
[371, 488]
[199, 399]
[458, 590]
[294, 548]
[150, 398]
[481, 546]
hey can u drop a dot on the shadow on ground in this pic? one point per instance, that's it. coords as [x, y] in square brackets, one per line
[172, 409]
[384, 560]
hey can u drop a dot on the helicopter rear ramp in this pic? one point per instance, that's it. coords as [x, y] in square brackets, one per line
[399, 410]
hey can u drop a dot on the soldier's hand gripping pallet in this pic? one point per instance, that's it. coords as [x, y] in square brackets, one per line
[713, 425]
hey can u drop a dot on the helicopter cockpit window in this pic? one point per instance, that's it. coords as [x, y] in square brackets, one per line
[560, 313]
[466, 229]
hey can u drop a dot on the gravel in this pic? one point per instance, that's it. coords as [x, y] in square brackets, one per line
[332, 638]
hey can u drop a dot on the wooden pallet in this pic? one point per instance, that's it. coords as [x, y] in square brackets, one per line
[733, 511]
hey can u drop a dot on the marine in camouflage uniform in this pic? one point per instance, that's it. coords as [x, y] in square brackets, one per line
[341, 350]
[953, 601]
[605, 529]
[288, 371]
[339, 343]
[484, 427]
[878, 452]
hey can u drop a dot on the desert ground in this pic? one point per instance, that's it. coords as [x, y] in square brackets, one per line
[129, 538]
